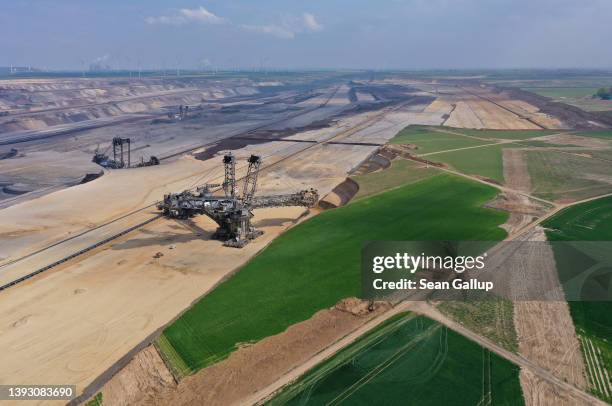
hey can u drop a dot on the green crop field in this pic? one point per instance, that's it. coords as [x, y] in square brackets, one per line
[562, 176]
[401, 172]
[581, 97]
[315, 264]
[486, 161]
[563, 92]
[506, 134]
[601, 154]
[492, 318]
[591, 221]
[408, 360]
[605, 134]
[428, 140]
[543, 144]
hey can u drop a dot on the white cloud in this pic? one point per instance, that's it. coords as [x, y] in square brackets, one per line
[279, 31]
[185, 16]
[311, 23]
[201, 14]
[289, 27]
[101, 59]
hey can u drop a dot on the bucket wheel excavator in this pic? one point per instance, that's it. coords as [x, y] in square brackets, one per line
[233, 210]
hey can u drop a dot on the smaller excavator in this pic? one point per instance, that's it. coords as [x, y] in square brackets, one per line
[232, 212]
[122, 156]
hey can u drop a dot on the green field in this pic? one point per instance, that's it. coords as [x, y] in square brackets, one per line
[563, 92]
[486, 162]
[601, 154]
[543, 144]
[506, 134]
[315, 264]
[579, 96]
[401, 172]
[408, 360]
[605, 134]
[591, 221]
[562, 176]
[492, 318]
[429, 140]
[95, 401]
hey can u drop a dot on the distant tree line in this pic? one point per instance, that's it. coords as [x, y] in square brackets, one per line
[604, 94]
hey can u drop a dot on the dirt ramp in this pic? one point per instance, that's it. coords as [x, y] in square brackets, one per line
[376, 162]
[340, 195]
[145, 376]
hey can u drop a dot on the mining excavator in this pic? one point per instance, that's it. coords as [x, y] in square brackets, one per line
[122, 156]
[231, 210]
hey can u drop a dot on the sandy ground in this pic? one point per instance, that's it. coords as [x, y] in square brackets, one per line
[476, 107]
[538, 392]
[255, 367]
[520, 109]
[78, 320]
[145, 374]
[29, 226]
[547, 337]
[464, 117]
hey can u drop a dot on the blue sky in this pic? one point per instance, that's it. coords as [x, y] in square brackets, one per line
[387, 34]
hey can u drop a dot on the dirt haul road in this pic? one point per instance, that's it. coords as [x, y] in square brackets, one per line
[523, 210]
[75, 322]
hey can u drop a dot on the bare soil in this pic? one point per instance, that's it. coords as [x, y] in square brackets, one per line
[546, 336]
[340, 195]
[571, 116]
[146, 375]
[376, 162]
[538, 392]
